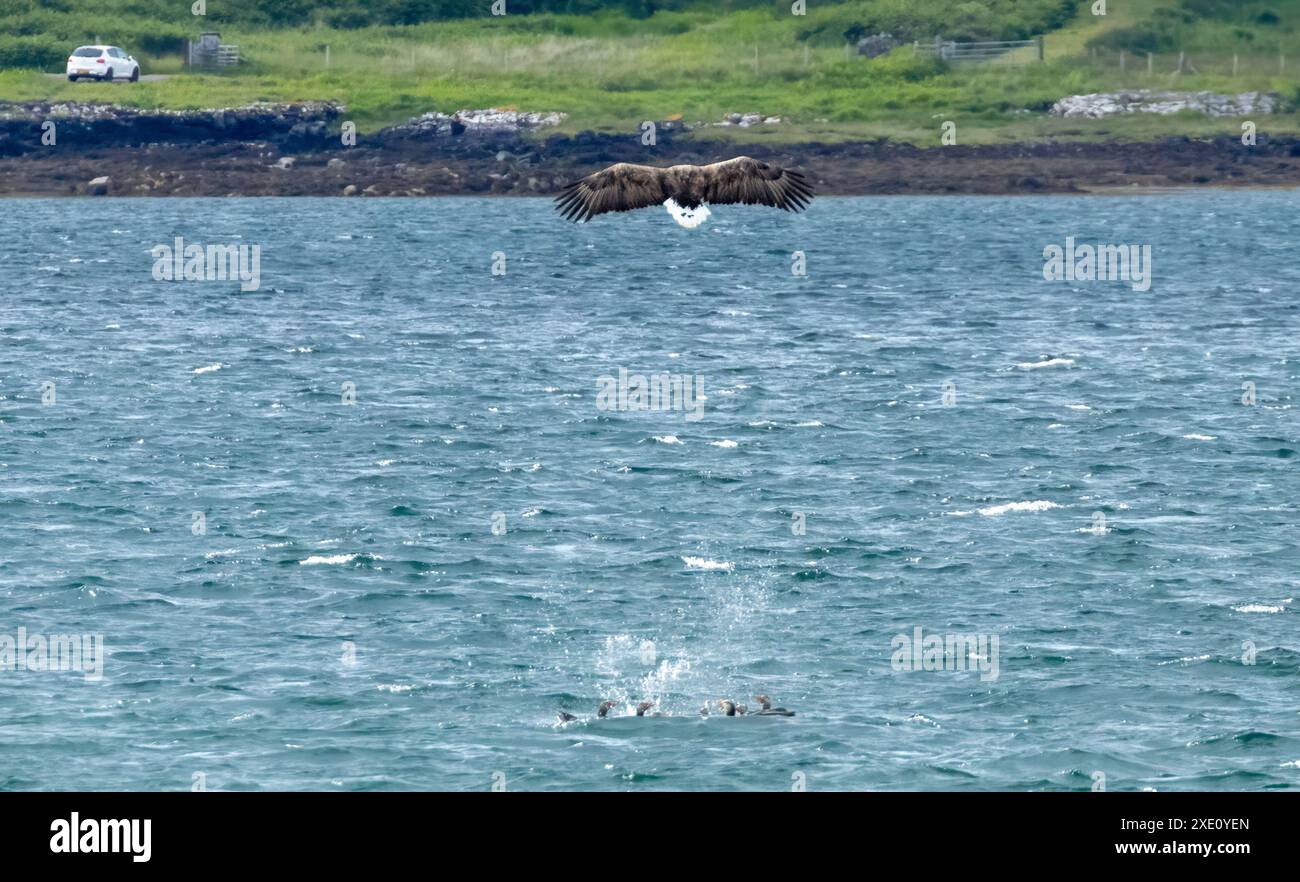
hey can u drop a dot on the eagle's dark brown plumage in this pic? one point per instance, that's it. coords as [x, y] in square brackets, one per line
[627, 186]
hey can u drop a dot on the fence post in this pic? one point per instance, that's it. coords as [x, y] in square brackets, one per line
[1181, 55]
[1121, 61]
[1040, 47]
[1234, 64]
[1151, 64]
[1281, 64]
[327, 55]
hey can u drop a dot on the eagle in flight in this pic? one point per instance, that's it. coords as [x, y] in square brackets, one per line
[685, 190]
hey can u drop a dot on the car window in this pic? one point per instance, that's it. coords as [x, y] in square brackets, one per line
[117, 53]
[86, 52]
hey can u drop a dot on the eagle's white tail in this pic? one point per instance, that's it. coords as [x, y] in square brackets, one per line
[687, 217]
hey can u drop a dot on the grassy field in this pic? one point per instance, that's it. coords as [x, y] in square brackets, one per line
[609, 71]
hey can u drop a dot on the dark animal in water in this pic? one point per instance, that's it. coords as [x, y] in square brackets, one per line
[766, 709]
[601, 711]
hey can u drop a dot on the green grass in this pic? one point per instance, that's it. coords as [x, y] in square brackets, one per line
[609, 72]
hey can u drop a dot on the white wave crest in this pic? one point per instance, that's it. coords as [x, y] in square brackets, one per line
[703, 563]
[994, 511]
[1258, 608]
[327, 559]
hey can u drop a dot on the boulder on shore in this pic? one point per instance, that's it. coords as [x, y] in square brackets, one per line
[109, 125]
[490, 121]
[99, 186]
[745, 120]
[1102, 104]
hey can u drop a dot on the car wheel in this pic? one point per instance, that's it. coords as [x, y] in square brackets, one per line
[71, 78]
[108, 75]
[135, 74]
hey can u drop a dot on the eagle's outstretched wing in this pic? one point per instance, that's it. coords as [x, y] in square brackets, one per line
[621, 187]
[754, 182]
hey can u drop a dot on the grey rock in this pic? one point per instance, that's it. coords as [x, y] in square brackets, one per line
[108, 124]
[1103, 104]
[745, 120]
[485, 121]
[876, 44]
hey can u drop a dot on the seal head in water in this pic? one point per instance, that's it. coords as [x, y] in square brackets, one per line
[766, 709]
[601, 711]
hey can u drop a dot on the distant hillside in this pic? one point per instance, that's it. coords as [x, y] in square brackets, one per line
[1247, 25]
[610, 65]
[38, 33]
[986, 17]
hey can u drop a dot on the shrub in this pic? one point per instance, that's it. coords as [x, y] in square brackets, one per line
[42, 53]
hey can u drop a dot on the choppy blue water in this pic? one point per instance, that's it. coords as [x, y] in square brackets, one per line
[647, 556]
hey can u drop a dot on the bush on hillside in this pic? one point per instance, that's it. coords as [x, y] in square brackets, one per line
[42, 53]
[911, 20]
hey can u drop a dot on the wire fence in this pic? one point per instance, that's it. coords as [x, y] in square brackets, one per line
[1222, 64]
[1019, 51]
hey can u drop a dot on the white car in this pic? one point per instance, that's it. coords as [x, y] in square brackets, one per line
[102, 63]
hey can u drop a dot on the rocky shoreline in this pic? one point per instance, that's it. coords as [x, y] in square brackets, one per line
[296, 150]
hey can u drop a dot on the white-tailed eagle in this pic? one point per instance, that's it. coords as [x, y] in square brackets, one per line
[685, 190]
